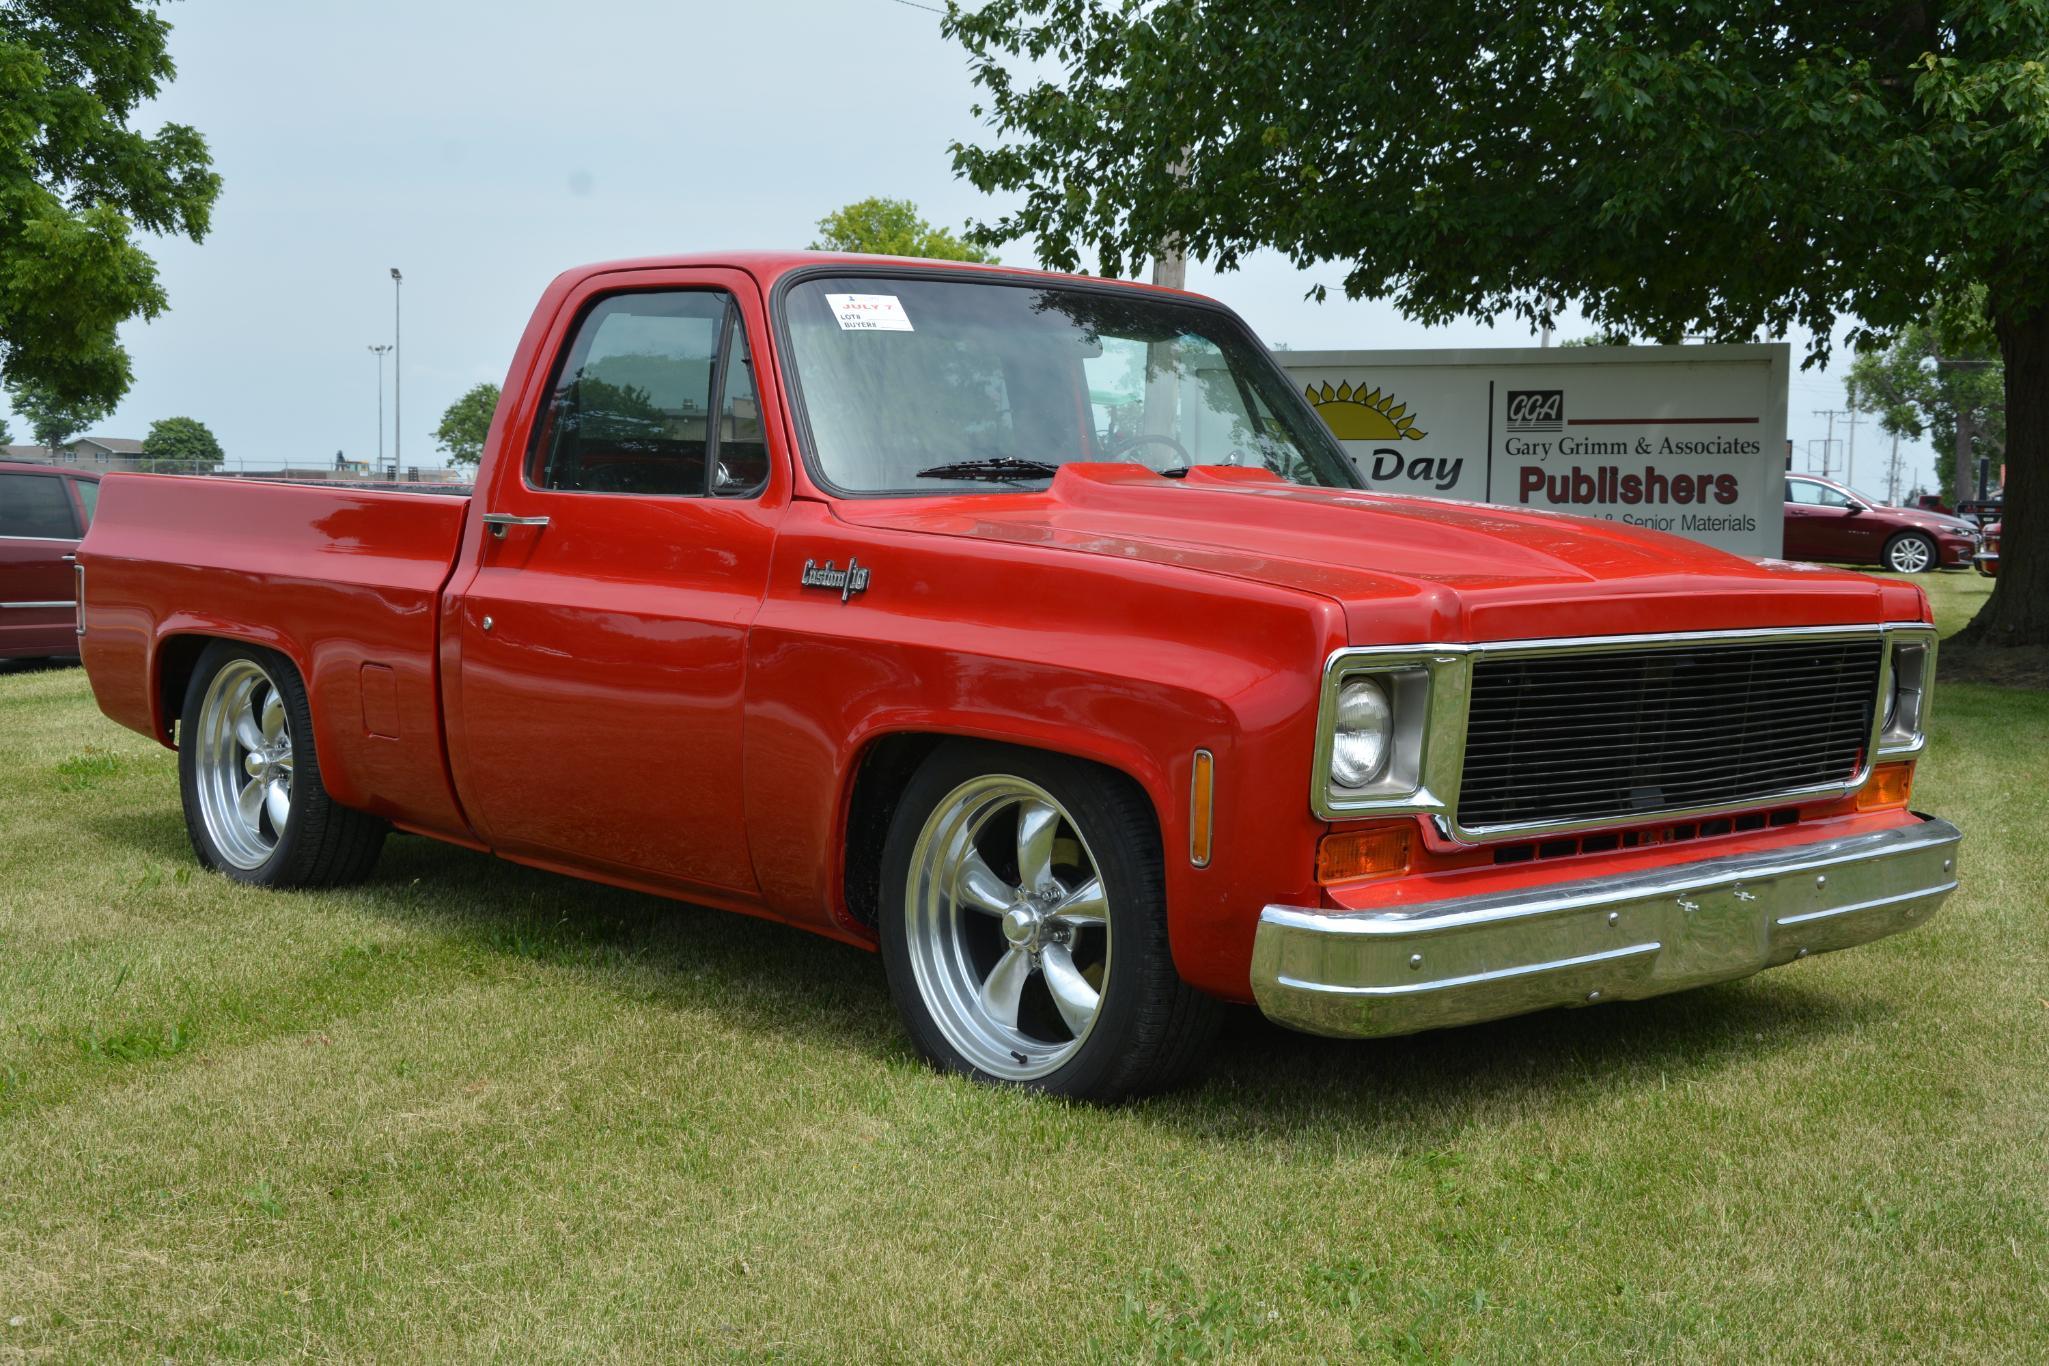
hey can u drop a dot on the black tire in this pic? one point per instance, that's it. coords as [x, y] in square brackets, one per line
[1152, 1029]
[1901, 548]
[322, 844]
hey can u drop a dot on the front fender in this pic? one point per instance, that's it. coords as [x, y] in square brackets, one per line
[1130, 666]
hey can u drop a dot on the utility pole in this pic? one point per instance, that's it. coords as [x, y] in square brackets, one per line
[378, 351]
[1171, 268]
[1830, 439]
[398, 421]
[1850, 460]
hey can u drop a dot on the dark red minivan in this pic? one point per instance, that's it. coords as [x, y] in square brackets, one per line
[44, 511]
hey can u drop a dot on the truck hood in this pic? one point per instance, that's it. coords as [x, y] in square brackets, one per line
[1406, 570]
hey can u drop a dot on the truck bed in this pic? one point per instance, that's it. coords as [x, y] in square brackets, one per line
[346, 581]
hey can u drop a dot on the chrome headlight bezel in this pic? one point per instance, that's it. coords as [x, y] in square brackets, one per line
[1424, 688]
[1905, 692]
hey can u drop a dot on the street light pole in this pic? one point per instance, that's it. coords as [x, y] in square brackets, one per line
[397, 379]
[379, 351]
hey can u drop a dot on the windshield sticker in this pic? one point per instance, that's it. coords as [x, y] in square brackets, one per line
[869, 312]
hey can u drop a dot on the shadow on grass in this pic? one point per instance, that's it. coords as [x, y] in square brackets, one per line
[1262, 1081]
[10, 668]
[154, 832]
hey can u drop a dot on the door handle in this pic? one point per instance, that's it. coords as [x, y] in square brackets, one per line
[498, 521]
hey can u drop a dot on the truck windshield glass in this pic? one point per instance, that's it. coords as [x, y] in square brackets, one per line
[919, 386]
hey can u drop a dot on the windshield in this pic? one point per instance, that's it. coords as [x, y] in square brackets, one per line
[919, 386]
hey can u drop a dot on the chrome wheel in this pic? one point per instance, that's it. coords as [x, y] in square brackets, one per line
[1910, 555]
[1008, 927]
[243, 763]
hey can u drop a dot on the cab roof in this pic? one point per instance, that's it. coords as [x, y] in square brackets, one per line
[770, 266]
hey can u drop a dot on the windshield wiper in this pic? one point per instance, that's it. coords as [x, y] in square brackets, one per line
[996, 468]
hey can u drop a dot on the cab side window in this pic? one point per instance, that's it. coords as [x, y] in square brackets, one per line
[654, 395]
[1807, 493]
[36, 507]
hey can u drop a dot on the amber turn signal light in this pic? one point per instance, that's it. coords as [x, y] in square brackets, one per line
[1888, 787]
[1202, 793]
[1353, 854]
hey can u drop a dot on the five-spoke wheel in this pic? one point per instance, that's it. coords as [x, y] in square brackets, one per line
[255, 804]
[1009, 928]
[1024, 926]
[243, 751]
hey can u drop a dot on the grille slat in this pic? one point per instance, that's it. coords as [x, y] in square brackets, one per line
[1607, 723]
[1635, 733]
[1819, 752]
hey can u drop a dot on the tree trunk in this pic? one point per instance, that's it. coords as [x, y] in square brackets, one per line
[2018, 612]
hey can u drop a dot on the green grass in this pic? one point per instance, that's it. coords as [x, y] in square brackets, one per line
[470, 1110]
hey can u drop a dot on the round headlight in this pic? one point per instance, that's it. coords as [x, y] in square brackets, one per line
[1358, 746]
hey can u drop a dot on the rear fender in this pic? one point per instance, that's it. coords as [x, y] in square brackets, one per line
[179, 640]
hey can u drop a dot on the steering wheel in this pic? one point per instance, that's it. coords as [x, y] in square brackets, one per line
[1124, 452]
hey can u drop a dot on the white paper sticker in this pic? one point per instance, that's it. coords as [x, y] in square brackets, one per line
[869, 312]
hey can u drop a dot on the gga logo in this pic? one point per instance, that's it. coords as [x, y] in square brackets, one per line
[1536, 410]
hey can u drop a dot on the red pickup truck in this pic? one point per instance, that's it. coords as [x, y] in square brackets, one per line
[1032, 631]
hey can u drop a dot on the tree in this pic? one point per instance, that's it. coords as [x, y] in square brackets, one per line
[1668, 168]
[53, 421]
[466, 423]
[76, 181]
[1938, 367]
[891, 227]
[181, 444]
[6, 433]
[1598, 339]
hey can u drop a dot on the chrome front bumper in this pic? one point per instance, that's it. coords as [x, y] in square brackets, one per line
[1366, 973]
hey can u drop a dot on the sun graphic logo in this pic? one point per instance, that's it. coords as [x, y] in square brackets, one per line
[1356, 415]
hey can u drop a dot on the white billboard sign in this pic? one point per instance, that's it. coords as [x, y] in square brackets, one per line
[1685, 439]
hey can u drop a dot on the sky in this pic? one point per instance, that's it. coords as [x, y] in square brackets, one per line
[483, 149]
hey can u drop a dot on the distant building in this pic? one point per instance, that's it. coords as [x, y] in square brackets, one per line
[99, 454]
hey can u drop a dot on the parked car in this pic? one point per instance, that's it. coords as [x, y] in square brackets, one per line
[1987, 558]
[1032, 631]
[1834, 524]
[43, 512]
[1981, 511]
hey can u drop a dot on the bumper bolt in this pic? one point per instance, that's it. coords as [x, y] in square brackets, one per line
[1593, 996]
[1614, 917]
[1821, 879]
[1803, 953]
[1948, 864]
[1415, 961]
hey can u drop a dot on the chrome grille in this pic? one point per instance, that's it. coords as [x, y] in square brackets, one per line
[1633, 733]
